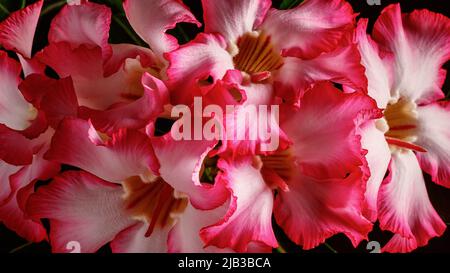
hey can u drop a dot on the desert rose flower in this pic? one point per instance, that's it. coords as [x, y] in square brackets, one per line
[403, 66]
[24, 132]
[319, 178]
[33, 107]
[291, 48]
[131, 196]
[106, 78]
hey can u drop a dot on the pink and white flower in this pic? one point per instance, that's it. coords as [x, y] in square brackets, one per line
[131, 197]
[24, 132]
[403, 66]
[320, 191]
[291, 49]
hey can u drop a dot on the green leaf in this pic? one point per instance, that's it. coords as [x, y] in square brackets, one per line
[21, 247]
[3, 9]
[288, 4]
[52, 7]
[330, 248]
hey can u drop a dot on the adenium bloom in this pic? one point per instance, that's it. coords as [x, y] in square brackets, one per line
[319, 193]
[106, 78]
[24, 132]
[135, 200]
[343, 158]
[290, 48]
[403, 66]
[33, 107]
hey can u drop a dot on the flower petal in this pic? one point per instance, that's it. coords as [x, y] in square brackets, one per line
[15, 111]
[15, 219]
[194, 62]
[341, 66]
[434, 136]
[31, 66]
[134, 115]
[12, 212]
[128, 153]
[186, 157]
[56, 98]
[249, 218]
[91, 27]
[420, 42]
[151, 20]
[377, 71]
[184, 236]
[121, 52]
[133, 240]
[15, 148]
[17, 31]
[6, 170]
[313, 27]
[314, 210]
[232, 19]
[404, 207]
[324, 132]
[378, 157]
[81, 208]
[84, 65]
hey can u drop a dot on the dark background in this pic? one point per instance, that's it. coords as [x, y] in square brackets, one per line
[120, 33]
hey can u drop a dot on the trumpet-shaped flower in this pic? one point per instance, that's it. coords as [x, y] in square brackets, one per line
[403, 66]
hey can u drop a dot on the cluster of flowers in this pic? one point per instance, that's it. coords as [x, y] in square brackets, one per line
[360, 117]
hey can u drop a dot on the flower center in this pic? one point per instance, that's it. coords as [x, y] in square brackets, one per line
[402, 118]
[154, 202]
[133, 74]
[256, 54]
[282, 163]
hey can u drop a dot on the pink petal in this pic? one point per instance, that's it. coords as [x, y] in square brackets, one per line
[23, 182]
[341, 65]
[134, 115]
[15, 148]
[249, 218]
[151, 20]
[194, 62]
[377, 70]
[184, 236]
[31, 66]
[14, 219]
[83, 61]
[186, 157]
[17, 31]
[84, 64]
[404, 207]
[434, 136]
[324, 130]
[313, 27]
[378, 157]
[126, 154]
[87, 23]
[12, 212]
[6, 170]
[314, 210]
[56, 98]
[81, 208]
[15, 111]
[121, 52]
[240, 129]
[233, 18]
[133, 240]
[420, 42]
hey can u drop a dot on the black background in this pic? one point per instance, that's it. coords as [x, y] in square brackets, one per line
[440, 197]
